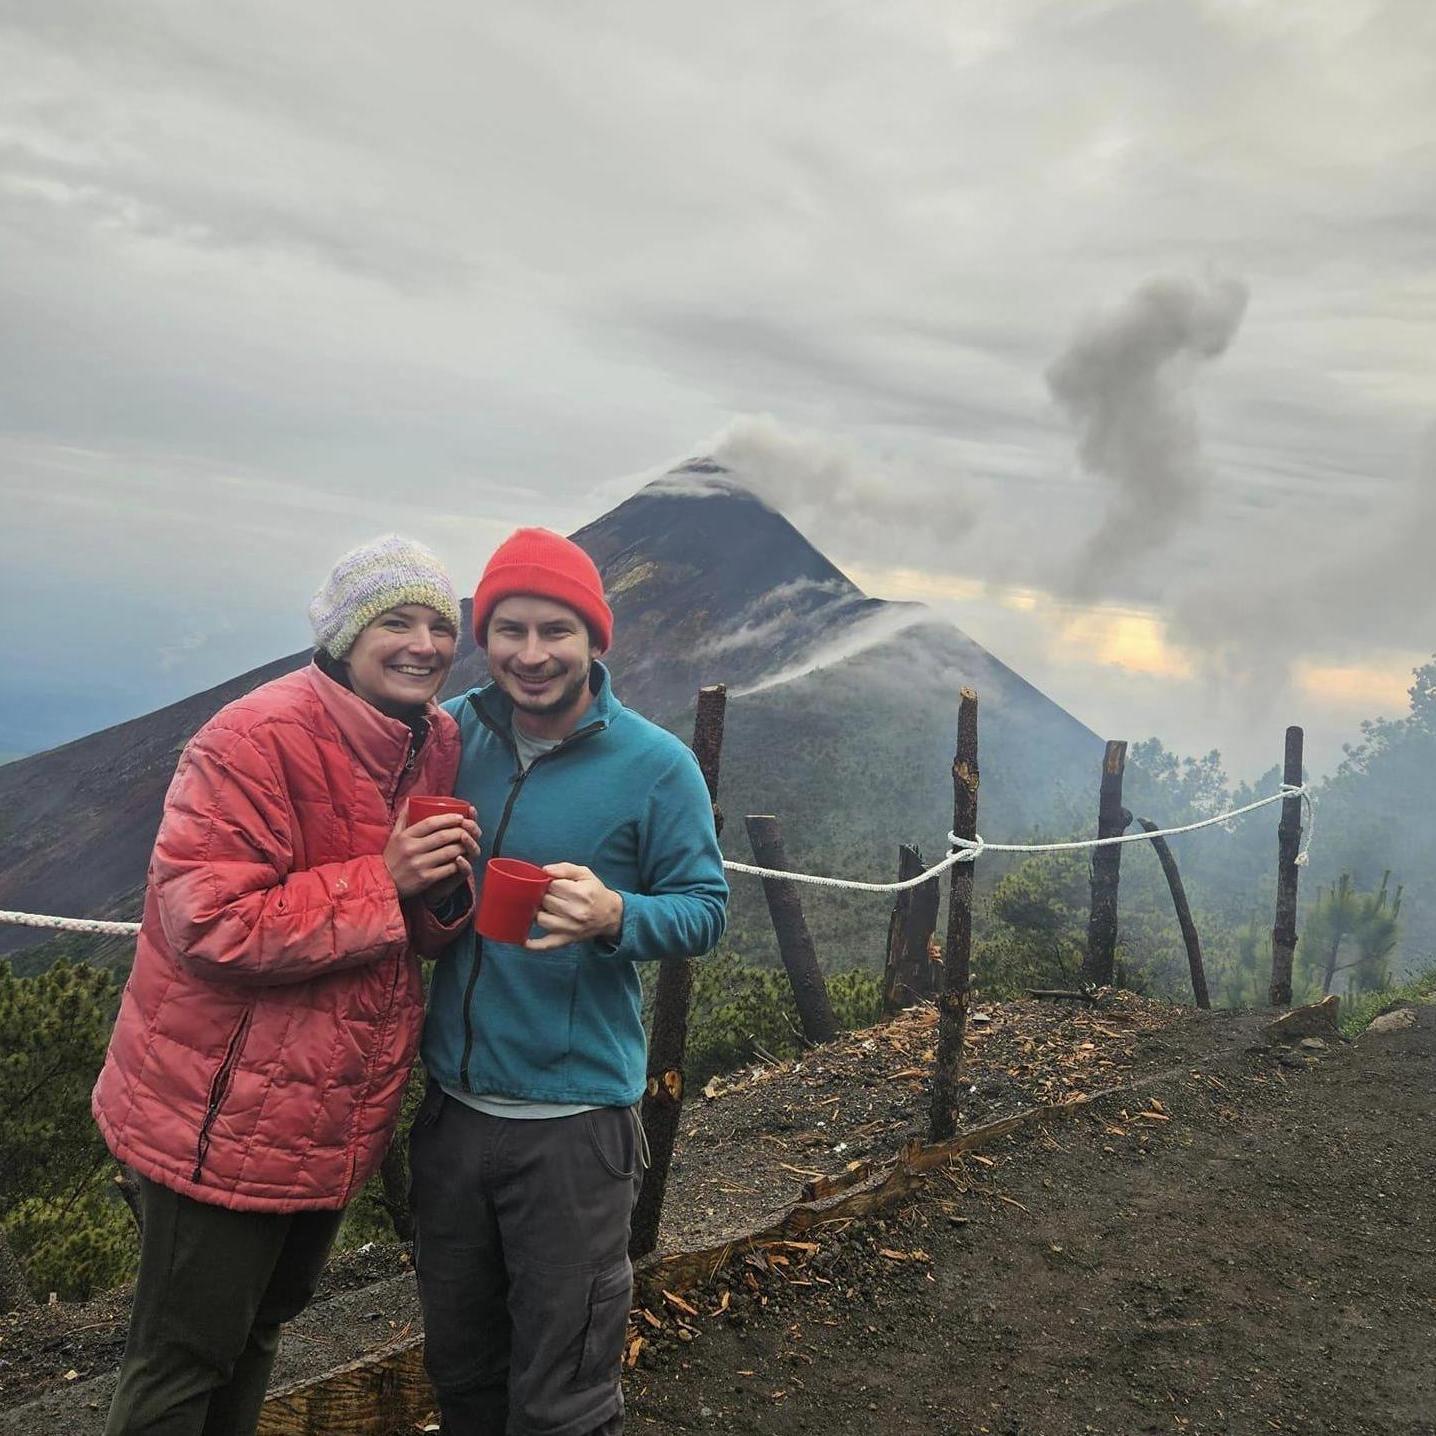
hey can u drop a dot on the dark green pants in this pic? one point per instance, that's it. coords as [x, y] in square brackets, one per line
[213, 1289]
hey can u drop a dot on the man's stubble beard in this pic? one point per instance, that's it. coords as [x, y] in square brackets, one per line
[563, 702]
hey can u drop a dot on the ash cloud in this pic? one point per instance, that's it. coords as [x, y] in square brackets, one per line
[1316, 592]
[845, 499]
[1124, 380]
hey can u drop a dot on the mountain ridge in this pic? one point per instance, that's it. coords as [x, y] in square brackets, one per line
[841, 705]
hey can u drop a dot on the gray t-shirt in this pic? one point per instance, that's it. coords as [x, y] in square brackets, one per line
[531, 748]
[490, 1102]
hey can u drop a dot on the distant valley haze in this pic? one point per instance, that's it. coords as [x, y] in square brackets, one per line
[1120, 667]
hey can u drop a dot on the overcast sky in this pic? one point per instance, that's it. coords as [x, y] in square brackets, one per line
[1107, 329]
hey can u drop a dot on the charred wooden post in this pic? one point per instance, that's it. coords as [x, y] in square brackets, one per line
[394, 1189]
[15, 1293]
[908, 971]
[1112, 821]
[1184, 915]
[127, 1183]
[663, 1095]
[795, 942]
[1288, 844]
[957, 965]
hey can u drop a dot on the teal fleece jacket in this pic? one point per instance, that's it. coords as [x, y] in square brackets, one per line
[620, 796]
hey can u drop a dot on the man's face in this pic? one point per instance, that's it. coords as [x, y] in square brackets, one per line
[540, 655]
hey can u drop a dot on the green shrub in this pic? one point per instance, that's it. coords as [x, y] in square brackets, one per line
[737, 1007]
[381, 1213]
[1358, 1012]
[77, 1246]
[54, 1029]
[856, 997]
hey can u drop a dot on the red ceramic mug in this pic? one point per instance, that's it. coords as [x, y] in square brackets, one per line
[423, 806]
[510, 898]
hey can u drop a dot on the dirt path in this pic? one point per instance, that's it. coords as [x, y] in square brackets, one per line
[1250, 1247]
[1262, 1260]
[739, 1158]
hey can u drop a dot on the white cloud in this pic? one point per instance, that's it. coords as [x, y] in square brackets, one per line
[858, 638]
[291, 275]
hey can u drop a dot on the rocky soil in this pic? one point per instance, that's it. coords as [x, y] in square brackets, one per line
[1243, 1240]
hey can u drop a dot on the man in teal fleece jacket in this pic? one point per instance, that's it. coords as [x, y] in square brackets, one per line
[527, 1153]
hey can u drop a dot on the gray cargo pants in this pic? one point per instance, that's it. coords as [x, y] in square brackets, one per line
[521, 1249]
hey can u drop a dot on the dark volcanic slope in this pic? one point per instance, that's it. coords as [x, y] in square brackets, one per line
[840, 717]
[77, 822]
[693, 564]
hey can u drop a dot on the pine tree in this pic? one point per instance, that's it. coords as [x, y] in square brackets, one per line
[62, 1222]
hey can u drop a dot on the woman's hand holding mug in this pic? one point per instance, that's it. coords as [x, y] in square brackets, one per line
[434, 856]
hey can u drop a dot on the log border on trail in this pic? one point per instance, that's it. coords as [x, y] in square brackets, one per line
[386, 1391]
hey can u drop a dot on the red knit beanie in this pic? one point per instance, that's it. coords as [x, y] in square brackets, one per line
[547, 565]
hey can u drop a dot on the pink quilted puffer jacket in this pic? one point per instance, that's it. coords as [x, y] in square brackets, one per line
[274, 1007]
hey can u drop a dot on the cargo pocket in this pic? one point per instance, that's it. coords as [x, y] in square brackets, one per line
[609, 1299]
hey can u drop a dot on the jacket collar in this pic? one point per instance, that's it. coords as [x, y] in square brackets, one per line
[492, 703]
[380, 743]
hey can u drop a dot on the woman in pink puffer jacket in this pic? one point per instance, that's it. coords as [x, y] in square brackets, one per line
[273, 1011]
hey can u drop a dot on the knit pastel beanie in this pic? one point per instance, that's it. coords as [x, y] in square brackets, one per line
[547, 565]
[385, 573]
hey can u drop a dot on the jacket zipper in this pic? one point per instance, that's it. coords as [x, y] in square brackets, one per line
[411, 759]
[515, 783]
[219, 1089]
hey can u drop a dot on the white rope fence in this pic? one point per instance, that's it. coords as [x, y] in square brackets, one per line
[70, 924]
[967, 850]
[964, 850]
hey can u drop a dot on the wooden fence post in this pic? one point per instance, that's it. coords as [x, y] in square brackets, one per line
[1112, 821]
[957, 964]
[795, 942]
[1184, 915]
[908, 971]
[663, 1095]
[1288, 844]
[15, 1293]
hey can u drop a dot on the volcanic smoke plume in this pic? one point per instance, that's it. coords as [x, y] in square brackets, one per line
[1123, 380]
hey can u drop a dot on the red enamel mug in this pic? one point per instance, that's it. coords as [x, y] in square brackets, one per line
[510, 898]
[424, 806]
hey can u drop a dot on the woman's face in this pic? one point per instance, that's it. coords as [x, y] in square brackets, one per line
[401, 659]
